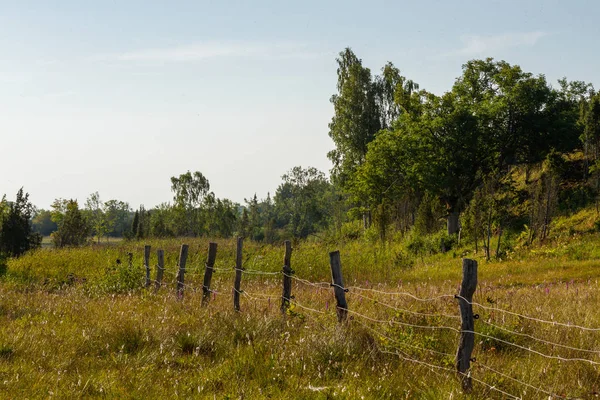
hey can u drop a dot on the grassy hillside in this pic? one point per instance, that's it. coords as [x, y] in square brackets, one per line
[75, 323]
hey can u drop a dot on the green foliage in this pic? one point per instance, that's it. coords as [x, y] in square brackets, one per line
[120, 278]
[302, 201]
[356, 119]
[421, 245]
[42, 223]
[189, 191]
[16, 232]
[73, 228]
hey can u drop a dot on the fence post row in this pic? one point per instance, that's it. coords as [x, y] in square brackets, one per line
[338, 285]
[181, 274]
[467, 335]
[287, 277]
[160, 268]
[147, 264]
[238, 274]
[208, 271]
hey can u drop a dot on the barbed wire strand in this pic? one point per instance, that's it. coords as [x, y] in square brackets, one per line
[538, 339]
[444, 296]
[491, 387]
[402, 323]
[555, 323]
[478, 364]
[405, 310]
[319, 285]
[533, 351]
[395, 341]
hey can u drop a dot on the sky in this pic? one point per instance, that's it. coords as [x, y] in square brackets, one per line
[119, 96]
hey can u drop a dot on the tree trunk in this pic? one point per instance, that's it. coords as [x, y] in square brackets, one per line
[452, 223]
[499, 240]
[489, 235]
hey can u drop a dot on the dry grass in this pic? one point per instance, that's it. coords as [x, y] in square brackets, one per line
[74, 323]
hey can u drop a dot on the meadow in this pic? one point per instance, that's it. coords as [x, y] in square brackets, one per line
[75, 323]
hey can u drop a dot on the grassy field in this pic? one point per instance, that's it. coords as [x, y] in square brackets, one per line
[75, 323]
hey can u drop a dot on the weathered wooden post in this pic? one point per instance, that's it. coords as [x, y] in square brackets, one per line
[181, 273]
[287, 277]
[338, 285]
[208, 271]
[467, 335]
[147, 264]
[238, 274]
[160, 268]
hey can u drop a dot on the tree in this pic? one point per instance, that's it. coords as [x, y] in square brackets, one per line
[161, 221]
[96, 217]
[16, 232]
[117, 215]
[591, 139]
[393, 95]
[356, 119]
[73, 229]
[189, 193]
[135, 224]
[302, 201]
[43, 224]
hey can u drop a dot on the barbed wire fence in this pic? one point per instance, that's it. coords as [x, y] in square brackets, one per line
[380, 327]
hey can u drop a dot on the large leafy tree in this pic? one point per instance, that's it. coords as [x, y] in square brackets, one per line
[356, 119]
[16, 232]
[189, 191]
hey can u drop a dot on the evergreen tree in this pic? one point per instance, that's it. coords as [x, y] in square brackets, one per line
[16, 232]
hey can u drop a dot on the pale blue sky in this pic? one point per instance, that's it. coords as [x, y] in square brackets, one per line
[119, 96]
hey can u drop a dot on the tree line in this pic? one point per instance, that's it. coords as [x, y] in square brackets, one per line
[301, 206]
[501, 152]
[493, 152]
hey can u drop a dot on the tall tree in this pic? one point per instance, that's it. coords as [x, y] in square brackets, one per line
[356, 119]
[96, 217]
[189, 191]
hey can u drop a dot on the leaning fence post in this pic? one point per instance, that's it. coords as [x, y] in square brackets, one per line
[181, 273]
[160, 268]
[467, 335]
[208, 271]
[287, 277]
[338, 285]
[147, 264]
[238, 274]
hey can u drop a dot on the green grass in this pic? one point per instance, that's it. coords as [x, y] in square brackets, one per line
[74, 323]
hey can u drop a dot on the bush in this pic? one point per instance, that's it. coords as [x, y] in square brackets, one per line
[430, 244]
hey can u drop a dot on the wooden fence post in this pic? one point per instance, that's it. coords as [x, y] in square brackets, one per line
[130, 260]
[338, 285]
[181, 274]
[287, 277]
[160, 268]
[147, 264]
[467, 337]
[208, 271]
[238, 274]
